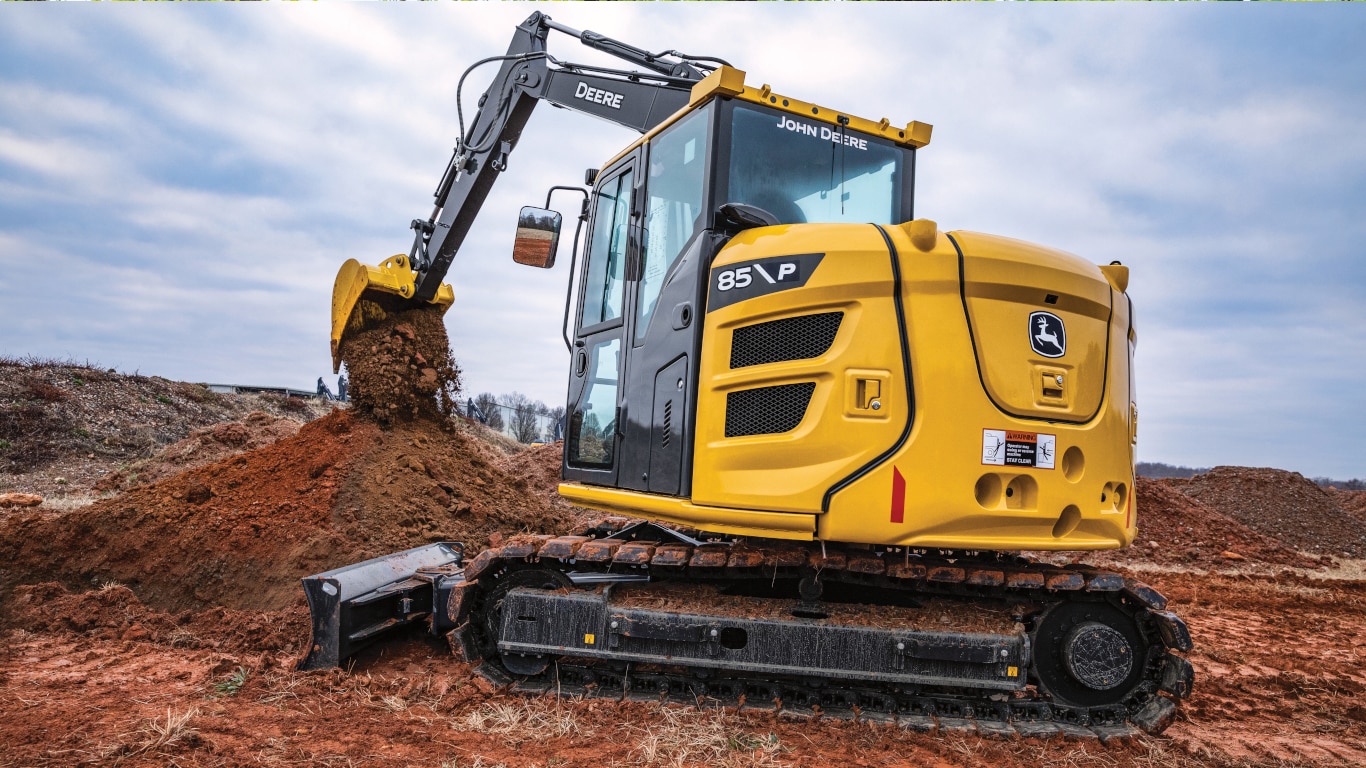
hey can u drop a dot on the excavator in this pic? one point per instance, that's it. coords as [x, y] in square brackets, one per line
[823, 430]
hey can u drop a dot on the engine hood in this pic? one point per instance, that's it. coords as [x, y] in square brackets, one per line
[1040, 321]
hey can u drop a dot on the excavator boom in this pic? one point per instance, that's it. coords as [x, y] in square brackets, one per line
[527, 74]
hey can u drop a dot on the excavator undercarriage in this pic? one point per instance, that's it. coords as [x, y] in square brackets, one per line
[930, 639]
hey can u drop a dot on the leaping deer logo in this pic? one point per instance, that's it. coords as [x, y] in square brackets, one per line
[1050, 339]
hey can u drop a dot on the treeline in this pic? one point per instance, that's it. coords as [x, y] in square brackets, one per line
[1157, 471]
[518, 416]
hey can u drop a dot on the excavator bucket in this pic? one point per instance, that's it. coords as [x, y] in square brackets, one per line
[363, 295]
[357, 604]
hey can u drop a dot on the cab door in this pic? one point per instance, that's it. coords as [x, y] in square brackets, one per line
[594, 426]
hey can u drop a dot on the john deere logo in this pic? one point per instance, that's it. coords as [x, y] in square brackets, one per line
[1047, 337]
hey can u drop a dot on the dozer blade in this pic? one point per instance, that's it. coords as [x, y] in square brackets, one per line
[364, 294]
[354, 605]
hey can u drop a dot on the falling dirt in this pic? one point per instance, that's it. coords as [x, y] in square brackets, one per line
[401, 366]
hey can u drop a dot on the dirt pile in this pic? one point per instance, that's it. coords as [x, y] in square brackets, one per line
[203, 446]
[1283, 505]
[401, 365]
[114, 613]
[1351, 501]
[63, 426]
[1175, 529]
[540, 468]
[240, 532]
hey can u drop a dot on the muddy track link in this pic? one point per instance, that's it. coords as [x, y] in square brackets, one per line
[1100, 605]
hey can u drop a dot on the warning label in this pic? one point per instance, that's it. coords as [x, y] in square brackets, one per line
[1006, 448]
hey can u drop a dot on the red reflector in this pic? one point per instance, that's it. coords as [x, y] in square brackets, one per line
[898, 496]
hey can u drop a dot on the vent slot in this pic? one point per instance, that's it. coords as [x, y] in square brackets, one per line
[792, 338]
[767, 410]
[668, 422]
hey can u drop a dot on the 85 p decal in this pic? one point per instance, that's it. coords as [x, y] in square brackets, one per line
[743, 280]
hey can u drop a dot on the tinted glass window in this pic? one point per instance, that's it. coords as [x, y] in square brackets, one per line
[592, 426]
[602, 298]
[673, 214]
[807, 171]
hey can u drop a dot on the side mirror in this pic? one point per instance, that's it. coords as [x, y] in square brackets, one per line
[538, 236]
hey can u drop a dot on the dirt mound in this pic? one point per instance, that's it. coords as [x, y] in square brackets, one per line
[240, 532]
[202, 447]
[1284, 505]
[63, 426]
[115, 613]
[401, 365]
[539, 468]
[428, 481]
[1175, 529]
[1350, 501]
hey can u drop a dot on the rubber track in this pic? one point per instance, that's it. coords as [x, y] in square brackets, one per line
[964, 575]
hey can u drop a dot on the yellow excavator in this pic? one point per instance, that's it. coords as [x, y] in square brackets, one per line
[834, 425]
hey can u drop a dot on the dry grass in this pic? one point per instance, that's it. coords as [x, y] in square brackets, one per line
[519, 720]
[158, 735]
[477, 761]
[675, 736]
[1342, 569]
[69, 502]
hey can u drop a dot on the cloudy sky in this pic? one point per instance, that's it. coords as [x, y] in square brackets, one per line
[179, 184]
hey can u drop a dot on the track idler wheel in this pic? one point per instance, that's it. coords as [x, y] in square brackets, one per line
[1089, 654]
[492, 618]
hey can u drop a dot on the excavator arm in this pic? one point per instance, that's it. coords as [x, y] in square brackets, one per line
[527, 75]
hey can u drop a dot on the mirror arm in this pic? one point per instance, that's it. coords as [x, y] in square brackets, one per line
[580, 190]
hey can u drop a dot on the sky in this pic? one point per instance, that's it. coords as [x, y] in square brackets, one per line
[179, 184]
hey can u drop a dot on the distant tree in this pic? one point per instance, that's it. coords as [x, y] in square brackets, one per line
[488, 405]
[522, 412]
[1342, 485]
[1156, 470]
[553, 416]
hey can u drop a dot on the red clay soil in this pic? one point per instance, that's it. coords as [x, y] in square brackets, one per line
[1278, 660]
[1284, 505]
[1351, 501]
[241, 532]
[1175, 529]
[1279, 683]
[540, 468]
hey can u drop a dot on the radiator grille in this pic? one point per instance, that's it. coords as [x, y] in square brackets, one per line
[767, 410]
[792, 338]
